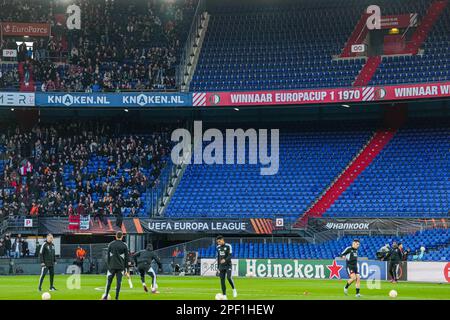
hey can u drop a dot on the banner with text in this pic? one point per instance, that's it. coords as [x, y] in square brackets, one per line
[375, 224]
[126, 100]
[429, 271]
[361, 224]
[25, 29]
[309, 269]
[208, 267]
[9, 53]
[323, 96]
[17, 99]
[215, 226]
[399, 21]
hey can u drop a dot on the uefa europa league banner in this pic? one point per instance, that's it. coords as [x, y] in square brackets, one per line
[110, 225]
[309, 269]
[208, 226]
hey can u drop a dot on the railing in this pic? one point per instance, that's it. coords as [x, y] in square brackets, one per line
[169, 90]
[61, 57]
[93, 251]
[203, 243]
[159, 191]
[15, 224]
[196, 23]
[419, 224]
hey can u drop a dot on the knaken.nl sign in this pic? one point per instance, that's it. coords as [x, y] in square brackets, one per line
[25, 29]
[134, 99]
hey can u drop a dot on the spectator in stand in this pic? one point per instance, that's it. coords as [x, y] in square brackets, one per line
[25, 250]
[2, 248]
[8, 244]
[34, 211]
[16, 248]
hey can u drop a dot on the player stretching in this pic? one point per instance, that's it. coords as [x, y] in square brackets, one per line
[224, 252]
[48, 260]
[350, 254]
[143, 260]
[117, 262]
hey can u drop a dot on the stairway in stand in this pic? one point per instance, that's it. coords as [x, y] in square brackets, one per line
[26, 85]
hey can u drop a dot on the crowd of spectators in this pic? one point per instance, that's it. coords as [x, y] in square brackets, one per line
[46, 169]
[13, 247]
[122, 44]
[9, 78]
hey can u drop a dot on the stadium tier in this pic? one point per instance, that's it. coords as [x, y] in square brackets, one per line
[435, 241]
[309, 162]
[87, 168]
[431, 65]
[246, 47]
[409, 178]
[134, 46]
[292, 47]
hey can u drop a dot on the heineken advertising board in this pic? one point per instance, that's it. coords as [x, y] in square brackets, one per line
[309, 269]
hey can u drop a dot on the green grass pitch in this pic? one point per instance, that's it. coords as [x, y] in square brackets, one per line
[205, 288]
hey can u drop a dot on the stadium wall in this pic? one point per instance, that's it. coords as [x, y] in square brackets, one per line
[364, 94]
[370, 270]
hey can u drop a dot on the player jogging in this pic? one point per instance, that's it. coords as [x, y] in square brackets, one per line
[224, 254]
[143, 260]
[117, 262]
[350, 254]
[128, 271]
[48, 260]
[395, 256]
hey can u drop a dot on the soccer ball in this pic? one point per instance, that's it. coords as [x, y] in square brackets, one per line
[46, 296]
[393, 294]
[108, 298]
[219, 296]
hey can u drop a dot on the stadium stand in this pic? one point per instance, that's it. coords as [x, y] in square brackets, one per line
[410, 177]
[401, 181]
[433, 64]
[85, 167]
[9, 76]
[289, 47]
[309, 161]
[267, 50]
[435, 241]
[136, 45]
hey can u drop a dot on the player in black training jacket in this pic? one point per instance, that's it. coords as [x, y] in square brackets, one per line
[350, 254]
[47, 258]
[224, 254]
[395, 256]
[143, 260]
[118, 262]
